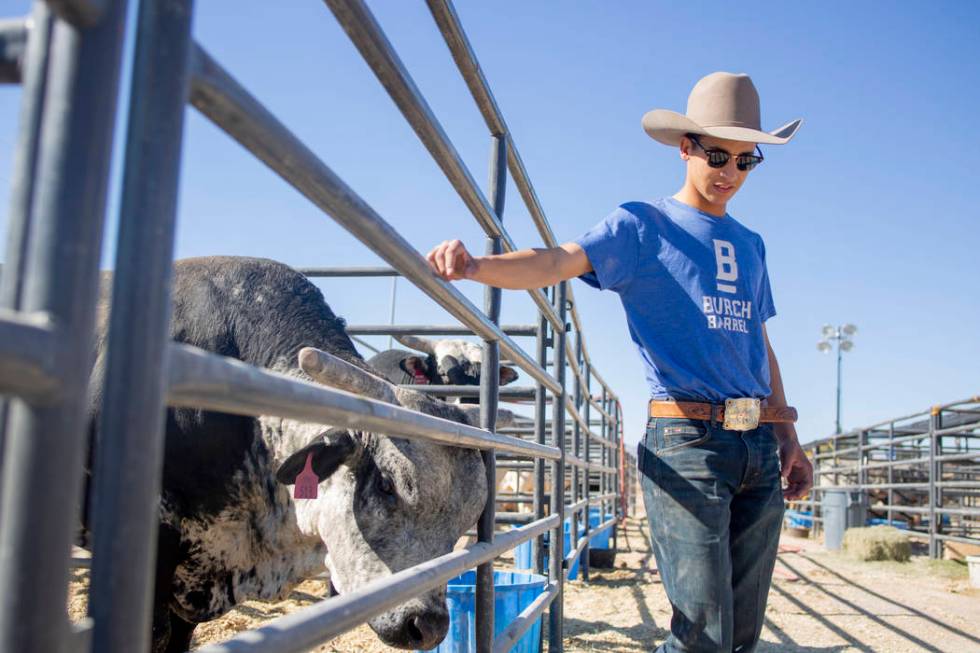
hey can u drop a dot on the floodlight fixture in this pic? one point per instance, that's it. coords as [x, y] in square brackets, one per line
[840, 334]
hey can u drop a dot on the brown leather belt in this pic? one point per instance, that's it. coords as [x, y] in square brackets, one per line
[698, 410]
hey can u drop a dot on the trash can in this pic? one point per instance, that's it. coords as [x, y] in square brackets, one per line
[841, 510]
[834, 518]
[857, 509]
[513, 592]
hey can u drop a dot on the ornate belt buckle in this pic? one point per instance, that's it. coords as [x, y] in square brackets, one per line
[742, 414]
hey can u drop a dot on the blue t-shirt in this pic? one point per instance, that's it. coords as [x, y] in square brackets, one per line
[696, 292]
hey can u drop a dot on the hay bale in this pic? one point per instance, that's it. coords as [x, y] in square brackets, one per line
[877, 543]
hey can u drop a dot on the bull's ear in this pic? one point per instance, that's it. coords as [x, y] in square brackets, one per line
[507, 375]
[327, 457]
[413, 364]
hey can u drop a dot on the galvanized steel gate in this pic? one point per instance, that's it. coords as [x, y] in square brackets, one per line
[923, 469]
[67, 56]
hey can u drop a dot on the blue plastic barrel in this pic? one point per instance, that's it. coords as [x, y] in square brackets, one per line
[800, 518]
[513, 592]
[522, 554]
[600, 540]
[897, 523]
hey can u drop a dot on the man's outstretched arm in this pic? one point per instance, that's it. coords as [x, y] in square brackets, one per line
[525, 268]
[796, 467]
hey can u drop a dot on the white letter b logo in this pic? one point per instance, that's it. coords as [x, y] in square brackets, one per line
[727, 267]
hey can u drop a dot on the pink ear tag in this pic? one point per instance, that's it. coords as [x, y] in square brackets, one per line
[306, 481]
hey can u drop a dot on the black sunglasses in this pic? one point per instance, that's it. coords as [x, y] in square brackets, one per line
[718, 158]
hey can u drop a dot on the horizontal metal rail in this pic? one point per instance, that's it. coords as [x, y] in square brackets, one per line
[966, 512]
[366, 345]
[603, 497]
[200, 379]
[374, 271]
[571, 557]
[578, 506]
[226, 103]
[302, 630]
[506, 640]
[943, 537]
[892, 442]
[957, 430]
[29, 349]
[428, 330]
[506, 392]
[922, 415]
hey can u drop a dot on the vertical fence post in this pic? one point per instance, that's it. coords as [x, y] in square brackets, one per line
[934, 545]
[862, 440]
[129, 455]
[34, 83]
[604, 428]
[557, 554]
[586, 415]
[936, 476]
[489, 384]
[605, 487]
[891, 471]
[540, 465]
[44, 453]
[540, 422]
[577, 472]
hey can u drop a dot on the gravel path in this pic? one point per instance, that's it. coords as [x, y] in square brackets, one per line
[820, 602]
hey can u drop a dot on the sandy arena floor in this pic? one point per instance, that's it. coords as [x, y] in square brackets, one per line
[820, 602]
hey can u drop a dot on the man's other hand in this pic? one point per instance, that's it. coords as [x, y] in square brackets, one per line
[796, 469]
[451, 261]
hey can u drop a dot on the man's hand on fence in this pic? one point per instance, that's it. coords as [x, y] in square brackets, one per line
[796, 469]
[451, 261]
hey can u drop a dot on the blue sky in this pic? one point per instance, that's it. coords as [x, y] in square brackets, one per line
[869, 215]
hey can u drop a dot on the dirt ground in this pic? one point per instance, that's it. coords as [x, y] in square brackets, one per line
[820, 602]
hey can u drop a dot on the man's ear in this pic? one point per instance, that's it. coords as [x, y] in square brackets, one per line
[684, 148]
[327, 457]
[507, 375]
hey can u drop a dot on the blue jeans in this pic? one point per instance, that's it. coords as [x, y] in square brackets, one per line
[715, 506]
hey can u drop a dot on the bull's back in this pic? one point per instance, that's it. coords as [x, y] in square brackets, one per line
[255, 310]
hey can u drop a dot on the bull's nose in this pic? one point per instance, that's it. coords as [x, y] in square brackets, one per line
[426, 630]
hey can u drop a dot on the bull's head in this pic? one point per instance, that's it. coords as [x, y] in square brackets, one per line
[387, 503]
[458, 362]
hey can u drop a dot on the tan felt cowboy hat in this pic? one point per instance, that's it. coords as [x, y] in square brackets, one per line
[724, 105]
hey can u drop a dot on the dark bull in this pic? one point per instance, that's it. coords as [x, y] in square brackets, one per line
[230, 529]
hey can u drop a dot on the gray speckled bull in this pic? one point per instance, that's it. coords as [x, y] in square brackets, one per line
[230, 529]
[447, 361]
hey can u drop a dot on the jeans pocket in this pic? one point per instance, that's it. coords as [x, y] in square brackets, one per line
[673, 433]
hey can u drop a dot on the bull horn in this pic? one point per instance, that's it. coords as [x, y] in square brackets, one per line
[338, 373]
[505, 418]
[417, 343]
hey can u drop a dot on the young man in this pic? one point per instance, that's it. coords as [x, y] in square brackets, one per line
[695, 289]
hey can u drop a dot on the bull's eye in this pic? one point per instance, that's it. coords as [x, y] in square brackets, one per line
[385, 486]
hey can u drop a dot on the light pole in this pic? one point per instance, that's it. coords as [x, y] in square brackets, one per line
[842, 336]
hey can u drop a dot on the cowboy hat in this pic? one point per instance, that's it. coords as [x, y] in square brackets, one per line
[724, 105]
